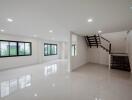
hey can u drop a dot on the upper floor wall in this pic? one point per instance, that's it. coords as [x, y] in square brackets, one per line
[118, 41]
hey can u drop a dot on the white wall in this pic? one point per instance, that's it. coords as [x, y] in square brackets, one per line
[10, 62]
[82, 53]
[63, 50]
[98, 55]
[48, 58]
[37, 52]
[118, 41]
[130, 47]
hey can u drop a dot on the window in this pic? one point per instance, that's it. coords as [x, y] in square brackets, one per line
[4, 48]
[50, 49]
[21, 49]
[24, 48]
[74, 50]
[53, 49]
[27, 49]
[45, 49]
[14, 48]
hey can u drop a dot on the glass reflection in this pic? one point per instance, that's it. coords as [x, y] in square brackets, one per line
[10, 86]
[13, 85]
[51, 69]
[4, 88]
[24, 81]
[97, 98]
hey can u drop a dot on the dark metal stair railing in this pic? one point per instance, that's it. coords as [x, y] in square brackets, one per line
[95, 40]
[109, 43]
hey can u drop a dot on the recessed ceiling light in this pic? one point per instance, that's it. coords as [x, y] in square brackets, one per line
[35, 94]
[90, 20]
[99, 31]
[9, 20]
[2, 30]
[51, 31]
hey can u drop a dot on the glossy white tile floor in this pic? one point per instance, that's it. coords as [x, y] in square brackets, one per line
[52, 81]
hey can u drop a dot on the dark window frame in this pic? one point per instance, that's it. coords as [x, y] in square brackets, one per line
[17, 47]
[50, 49]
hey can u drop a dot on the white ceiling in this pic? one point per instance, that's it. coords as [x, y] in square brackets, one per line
[62, 16]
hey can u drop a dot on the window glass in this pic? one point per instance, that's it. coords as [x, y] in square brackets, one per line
[50, 49]
[4, 48]
[13, 48]
[21, 50]
[53, 49]
[74, 50]
[27, 49]
[45, 49]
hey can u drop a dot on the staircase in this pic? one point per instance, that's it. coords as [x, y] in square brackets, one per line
[118, 61]
[96, 41]
[93, 41]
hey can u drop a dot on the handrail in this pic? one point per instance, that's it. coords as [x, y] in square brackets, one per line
[105, 39]
[104, 47]
[109, 48]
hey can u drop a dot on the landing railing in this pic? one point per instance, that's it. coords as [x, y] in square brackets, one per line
[106, 44]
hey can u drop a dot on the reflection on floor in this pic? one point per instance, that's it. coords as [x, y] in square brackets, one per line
[53, 81]
[50, 69]
[12, 85]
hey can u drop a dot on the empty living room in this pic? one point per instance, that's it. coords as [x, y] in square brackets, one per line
[65, 49]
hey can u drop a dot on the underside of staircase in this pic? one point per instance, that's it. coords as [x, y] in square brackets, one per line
[118, 61]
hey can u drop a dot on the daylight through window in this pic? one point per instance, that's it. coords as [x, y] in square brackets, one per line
[14, 48]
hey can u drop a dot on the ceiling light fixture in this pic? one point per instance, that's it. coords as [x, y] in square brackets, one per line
[35, 94]
[51, 31]
[2, 30]
[9, 20]
[90, 20]
[99, 31]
